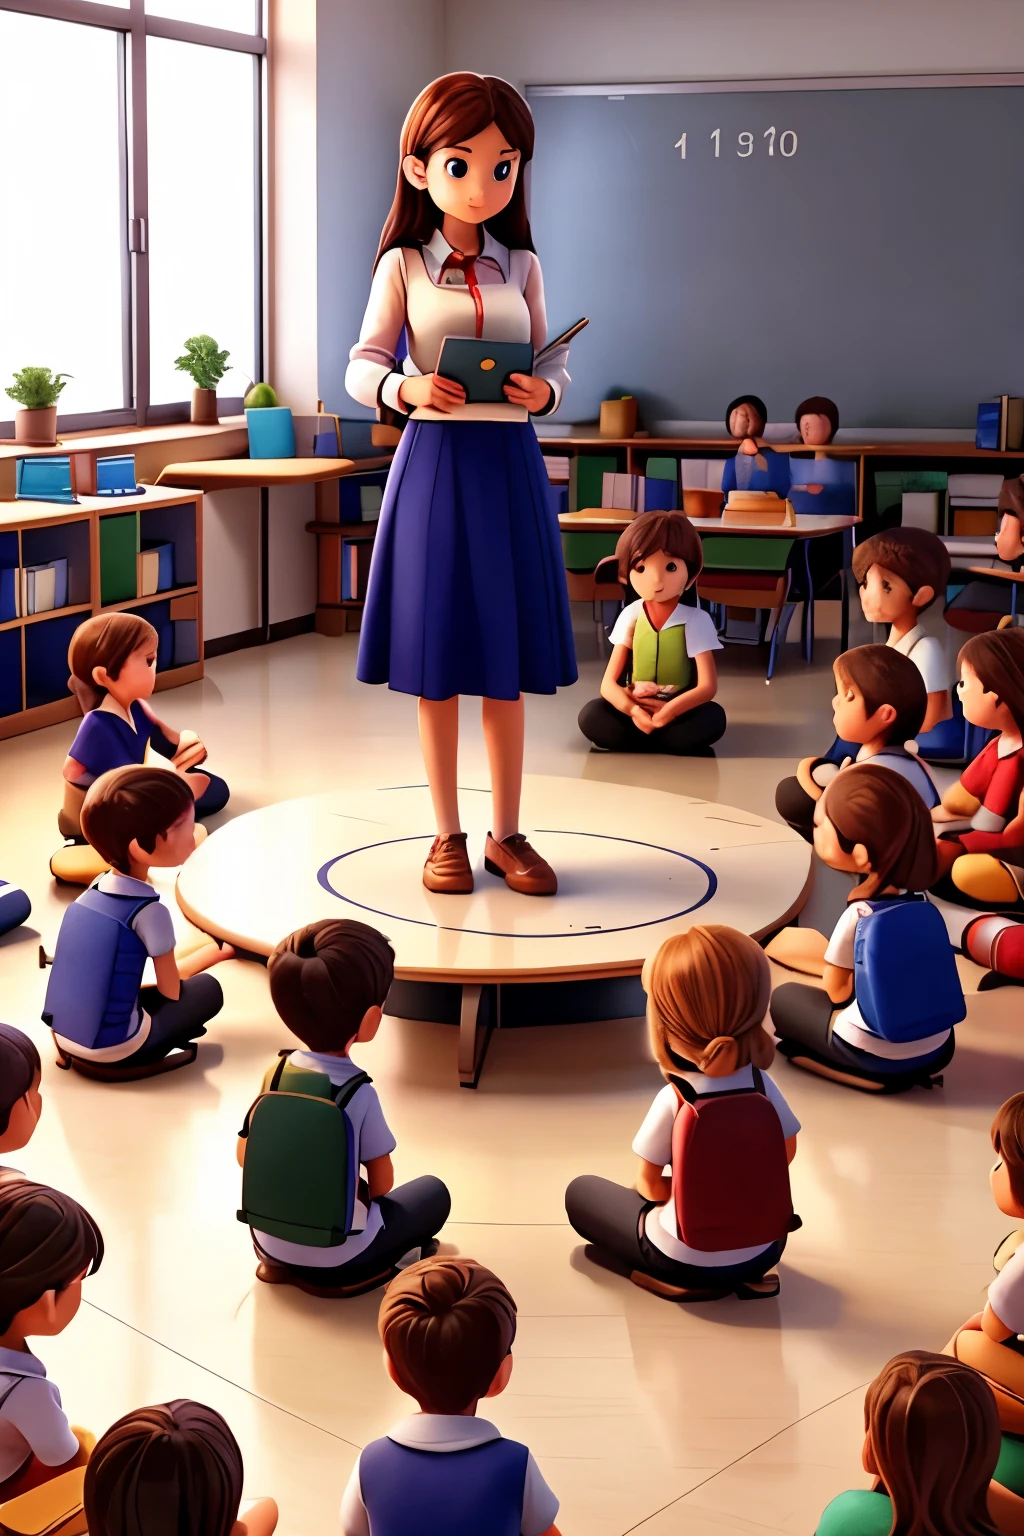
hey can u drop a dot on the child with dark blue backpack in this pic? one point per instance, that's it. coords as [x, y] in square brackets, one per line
[883, 1018]
[716, 1223]
[448, 1326]
[315, 1223]
[104, 1021]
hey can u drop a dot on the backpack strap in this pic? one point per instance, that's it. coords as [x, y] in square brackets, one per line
[19, 1377]
[275, 1081]
[349, 1090]
[759, 1086]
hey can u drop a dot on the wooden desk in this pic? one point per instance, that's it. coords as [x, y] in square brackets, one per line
[806, 526]
[1015, 578]
[261, 474]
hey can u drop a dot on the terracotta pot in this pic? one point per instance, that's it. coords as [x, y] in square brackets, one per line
[618, 417]
[36, 429]
[204, 408]
[699, 503]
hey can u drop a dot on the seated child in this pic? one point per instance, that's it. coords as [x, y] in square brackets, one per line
[48, 1245]
[986, 862]
[447, 1326]
[817, 421]
[113, 671]
[99, 1011]
[894, 1029]
[21, 1103]
[900, 574]
[985, 600]
[668, 705]
[879, 705]
[690, 1231]
[756, 467]
[329, 983]
[15, 907]
[171, 1470]
[990, 1341]
[931, 1442]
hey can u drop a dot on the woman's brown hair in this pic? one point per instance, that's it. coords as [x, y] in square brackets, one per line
[819, 405]
[448, 111]
[653, 531]
[132, 803]
[708, 991]
[171, 1470]
[1008, 1141]
[913, 554]
[883, 675]
[997, 656]
[883, 811]
[324, 978]
[105, 640]
[447, 1325]
[933, 1430]
[46, 1241]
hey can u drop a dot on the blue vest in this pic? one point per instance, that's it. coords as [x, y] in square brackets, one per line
[97, 969]
[478, 1492]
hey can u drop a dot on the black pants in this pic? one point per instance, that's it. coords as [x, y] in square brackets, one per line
[802, 1016]
[214, 797]
[613, 1219]
[412, 1214]
[175, 1023]
[796, 807]
[609, 728]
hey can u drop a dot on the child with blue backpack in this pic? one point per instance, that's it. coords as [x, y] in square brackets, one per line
[447, 1326]
[883, 1018]
[105, 1022]
[716, 1223]
[316, 1224]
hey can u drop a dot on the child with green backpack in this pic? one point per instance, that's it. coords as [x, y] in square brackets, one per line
[316, 1224]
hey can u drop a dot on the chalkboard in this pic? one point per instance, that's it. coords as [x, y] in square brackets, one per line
[866, 244]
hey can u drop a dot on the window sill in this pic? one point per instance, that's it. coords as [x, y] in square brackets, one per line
[154, 447]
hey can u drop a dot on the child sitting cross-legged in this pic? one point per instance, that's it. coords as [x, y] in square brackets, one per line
[315, 1223]
[448, 1326]
[932, 1445]
[716, 1223]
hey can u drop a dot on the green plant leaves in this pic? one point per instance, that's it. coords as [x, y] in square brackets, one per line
[37, 388]
[203, 361]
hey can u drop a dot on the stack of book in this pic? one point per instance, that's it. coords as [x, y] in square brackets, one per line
[973, 501]
[33, 589]
[638, 493]
[1000, 423]
[557, 466]
[355, 567]
[360, 500]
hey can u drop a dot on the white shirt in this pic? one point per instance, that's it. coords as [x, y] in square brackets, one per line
[373, 1138]
[32, 1421]
[1006, 1293]
[848, 1023]
[444, 1432]
[155, 927]
[701, 634]
[653, 1142]
[929, 657]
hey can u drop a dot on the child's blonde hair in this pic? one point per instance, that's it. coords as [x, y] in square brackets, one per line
[708, 992]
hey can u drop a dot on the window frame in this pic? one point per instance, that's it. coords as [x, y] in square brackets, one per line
[134, 26]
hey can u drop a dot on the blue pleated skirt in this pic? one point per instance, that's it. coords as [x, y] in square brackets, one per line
[467, 586]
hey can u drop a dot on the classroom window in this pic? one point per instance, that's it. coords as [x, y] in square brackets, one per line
[129, 230]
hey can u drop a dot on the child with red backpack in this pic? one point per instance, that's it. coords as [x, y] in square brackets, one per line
[716, 1222]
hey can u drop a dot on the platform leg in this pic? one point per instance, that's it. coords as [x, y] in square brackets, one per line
[474, 1034]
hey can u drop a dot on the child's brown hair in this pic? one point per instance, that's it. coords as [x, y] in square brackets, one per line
[997, 656]
[933, 1429]
[46, 1241]
[819, 405]
[653, 531]
[708, 991]
[1008, 1141]
[447, 1325]
[324, 978]
[883, 675]
[19, 1068]
[884, 812]
[106, 640]
[132, 803]
[174, 1469]
[913, 554]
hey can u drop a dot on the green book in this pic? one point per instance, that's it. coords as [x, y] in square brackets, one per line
[586, 479]
[119, 545]
[662, 469]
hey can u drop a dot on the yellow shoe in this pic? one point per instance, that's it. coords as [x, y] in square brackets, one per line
[983, 878]
[78, 864]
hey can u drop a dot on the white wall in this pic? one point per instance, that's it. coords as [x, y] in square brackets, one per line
[558, 42]
[231, 541]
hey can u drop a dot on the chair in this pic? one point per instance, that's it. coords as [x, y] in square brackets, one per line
[823, 570]
[746, 572]
[597, 586]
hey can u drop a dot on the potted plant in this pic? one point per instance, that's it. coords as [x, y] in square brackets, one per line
[205, 365]
[37, 391]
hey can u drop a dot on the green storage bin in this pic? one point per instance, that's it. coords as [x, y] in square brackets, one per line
[583, 551]
[722, 553]
[119, 545]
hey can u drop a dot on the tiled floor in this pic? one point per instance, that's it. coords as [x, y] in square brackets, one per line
[645, 1417]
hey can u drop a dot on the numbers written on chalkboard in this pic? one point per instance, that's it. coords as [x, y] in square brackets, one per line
[785, 142]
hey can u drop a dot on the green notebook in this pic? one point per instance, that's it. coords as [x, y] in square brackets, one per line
[119, 544]
[586, 479]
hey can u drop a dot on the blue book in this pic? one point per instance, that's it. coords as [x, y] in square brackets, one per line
[186, 642]
[115, 475]
[987, 432]
[44, 479]
[60, 582]
[271, 433]
[165, 580]
[558, 498]
[164, 645]
[9, 594]
[660, 495]
[325, 445]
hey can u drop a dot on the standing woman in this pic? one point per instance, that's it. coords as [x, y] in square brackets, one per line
[467, 587]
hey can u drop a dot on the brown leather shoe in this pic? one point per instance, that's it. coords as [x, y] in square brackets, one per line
[448, 868]
[521, 866]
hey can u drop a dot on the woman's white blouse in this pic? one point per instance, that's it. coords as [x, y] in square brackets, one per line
[411, 289]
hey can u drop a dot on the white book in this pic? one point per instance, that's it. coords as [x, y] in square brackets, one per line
[921, 510]
[974, 501]
[975, 485]
[715, 471]
[619, 491]
[693, 474]
[149, 572]
[40, 585]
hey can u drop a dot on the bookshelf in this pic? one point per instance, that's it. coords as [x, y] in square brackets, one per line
[337, 509]
[102, 539]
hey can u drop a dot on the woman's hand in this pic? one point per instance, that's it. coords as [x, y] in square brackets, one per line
[524, 389]
[432, 390]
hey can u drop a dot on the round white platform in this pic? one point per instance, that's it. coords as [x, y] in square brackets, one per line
[634, 865]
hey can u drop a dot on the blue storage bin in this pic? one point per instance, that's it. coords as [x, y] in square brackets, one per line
[271, 433]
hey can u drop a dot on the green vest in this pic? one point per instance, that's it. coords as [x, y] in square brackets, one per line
[659, 655]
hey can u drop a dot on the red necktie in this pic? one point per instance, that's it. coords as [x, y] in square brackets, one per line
[465, 264]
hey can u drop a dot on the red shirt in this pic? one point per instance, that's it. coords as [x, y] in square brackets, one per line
[997, 782]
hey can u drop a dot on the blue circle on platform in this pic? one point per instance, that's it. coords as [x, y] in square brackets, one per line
[323, 878]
